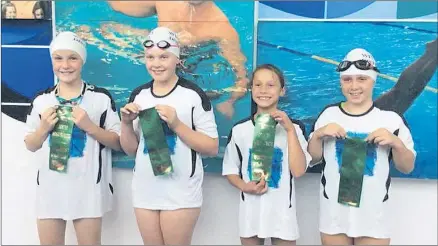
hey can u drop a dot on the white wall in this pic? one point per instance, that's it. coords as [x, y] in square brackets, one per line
[414, 202]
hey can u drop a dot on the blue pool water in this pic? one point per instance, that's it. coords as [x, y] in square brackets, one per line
[115, 60]
[312, 84]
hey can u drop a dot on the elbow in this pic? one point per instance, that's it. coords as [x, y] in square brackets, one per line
[213, 148]
[406, 169]
[296, 173]
[117, 144]
[117, 147]
[298, 170]
[405, 165]
[30, 147]
[115, 5]
[299, 174]
[129, 150]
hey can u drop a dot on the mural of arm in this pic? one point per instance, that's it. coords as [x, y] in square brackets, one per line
[134, 8]
[411, 83]
[231, 51]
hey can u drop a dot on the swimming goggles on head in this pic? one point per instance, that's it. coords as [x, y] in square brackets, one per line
[359, 64]
[163, 44]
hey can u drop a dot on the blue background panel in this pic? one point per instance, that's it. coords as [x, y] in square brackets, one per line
[27, 70]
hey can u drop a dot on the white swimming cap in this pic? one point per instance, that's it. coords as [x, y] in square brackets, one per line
[69, 41]
[360, 54]
[164, 33]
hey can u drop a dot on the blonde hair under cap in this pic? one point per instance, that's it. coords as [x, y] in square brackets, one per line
[360, 54]
[69, 41]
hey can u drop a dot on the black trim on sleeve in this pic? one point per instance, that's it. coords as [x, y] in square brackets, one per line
[206, 104]
[104, 91]
[322, 111]
[137, 91]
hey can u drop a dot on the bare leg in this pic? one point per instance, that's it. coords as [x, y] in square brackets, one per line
[278, 241]
[252, 240]
[88, 231]
[148, 222]
[51, 231]
[371, 241]
[337, 239]
[178, 225]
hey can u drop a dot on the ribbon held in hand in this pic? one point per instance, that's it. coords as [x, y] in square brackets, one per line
[263, 147]
[155, 141]
[60, 139]
[352, 171]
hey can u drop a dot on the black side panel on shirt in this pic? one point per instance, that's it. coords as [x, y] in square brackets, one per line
[240, 167]
[101, 146]
[193, 151]
[323, 180]
[290, 189]
[388, 180]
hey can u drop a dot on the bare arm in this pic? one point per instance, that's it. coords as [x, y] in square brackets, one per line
[404, 159]
[128, 138]
[231, 51]
[105, 137]
[315, 148]
[134, 8]
[35, 140]
[236, 181]
[197, 141]
[296, 159]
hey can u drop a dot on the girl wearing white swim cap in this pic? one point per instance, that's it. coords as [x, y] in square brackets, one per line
[74, 125]
[356, 140]
[167, 205]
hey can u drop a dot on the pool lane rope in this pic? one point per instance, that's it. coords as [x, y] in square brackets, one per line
[330, 61]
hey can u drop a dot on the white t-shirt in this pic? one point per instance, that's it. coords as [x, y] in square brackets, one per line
[182, 188]
[369, 219]
[272, 214]
[85, 190]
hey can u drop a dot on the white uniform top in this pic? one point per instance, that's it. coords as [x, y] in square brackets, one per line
[182, 188]
[272, 214]
[370, 218]
[85, 191]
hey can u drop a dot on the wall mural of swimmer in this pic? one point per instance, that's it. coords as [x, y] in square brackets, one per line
[218, 54]
[217, 39]
[406, 55]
